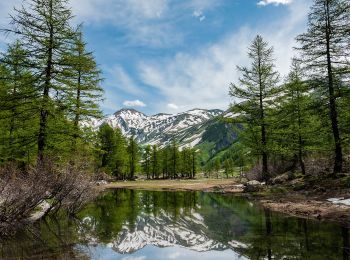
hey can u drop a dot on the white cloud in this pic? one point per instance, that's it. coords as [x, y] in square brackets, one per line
[136, 17]
[144, 23]
[199, 14]
[172, 106]
[121, 80]
[114, 10]
[202, 78]
[274, 2]
[109, 105]
[134, 103]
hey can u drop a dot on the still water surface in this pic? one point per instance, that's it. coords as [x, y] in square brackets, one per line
[140, 225]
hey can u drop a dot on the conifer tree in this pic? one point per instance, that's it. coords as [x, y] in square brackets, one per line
[155, 162]
[228, 167]
[325, 51]
[297, 128]
[133, 153]
[165, 161]
[43, 27]
[120, 155]
[82, 78]
[174, 160]
[256, 90]
[217, 167]
[106, 146]
[193, 158]
[17, 102]
[146, 164]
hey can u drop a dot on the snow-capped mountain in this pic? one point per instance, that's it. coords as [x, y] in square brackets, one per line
[188, 232]
[161, 231]
[186, 128]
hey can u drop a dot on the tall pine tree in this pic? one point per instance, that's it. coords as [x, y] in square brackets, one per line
[325, 51]
[255, 92]
[44, 29]
[17, 101]
[82, 80]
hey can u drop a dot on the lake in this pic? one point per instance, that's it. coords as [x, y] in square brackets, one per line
[140, 225]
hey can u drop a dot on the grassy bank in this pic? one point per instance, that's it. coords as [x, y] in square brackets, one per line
[228, 185]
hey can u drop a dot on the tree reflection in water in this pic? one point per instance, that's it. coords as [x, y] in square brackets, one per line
[129, 222]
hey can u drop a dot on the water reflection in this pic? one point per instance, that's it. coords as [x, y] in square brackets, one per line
[177, 225]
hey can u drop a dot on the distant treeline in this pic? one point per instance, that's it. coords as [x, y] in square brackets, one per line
[123, 158]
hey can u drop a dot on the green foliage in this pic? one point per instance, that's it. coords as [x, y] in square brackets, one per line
[155, 162]
[49, 85]
[325, 52]
[256, 92]
[107, 147]
[18, 119]
[83, 79]
[133, 157]
[113, 152]
[307, 116]
[146, 161]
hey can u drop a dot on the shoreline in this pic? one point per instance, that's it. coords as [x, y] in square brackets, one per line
[212, 185]
[303, 204]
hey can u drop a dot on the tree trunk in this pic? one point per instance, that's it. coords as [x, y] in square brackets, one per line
[263, 132]
[77, 110]
[13, 112]
[46, 98]
[338, 162]
[262, 121]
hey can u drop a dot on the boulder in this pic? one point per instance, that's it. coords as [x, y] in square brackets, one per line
[253, 186]
[280, 179]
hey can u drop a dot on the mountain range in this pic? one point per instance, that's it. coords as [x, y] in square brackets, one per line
[200, 128]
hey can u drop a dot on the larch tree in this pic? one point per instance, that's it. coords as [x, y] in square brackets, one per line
[120, 154]
[194, 163]
[133, 153]
[165, 161]
[146, 161]
[325, 51]
[17, 102]
[155, 162]
[43, 26]
[174, 160]
[294, 116]
[254, 94]
[82, 78]
[106, 147]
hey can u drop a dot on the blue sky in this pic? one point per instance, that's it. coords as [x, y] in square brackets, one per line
[174, 55]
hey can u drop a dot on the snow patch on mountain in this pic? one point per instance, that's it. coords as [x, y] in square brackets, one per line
[159, 129]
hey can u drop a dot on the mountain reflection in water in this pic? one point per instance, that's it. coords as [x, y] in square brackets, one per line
[128, 224]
